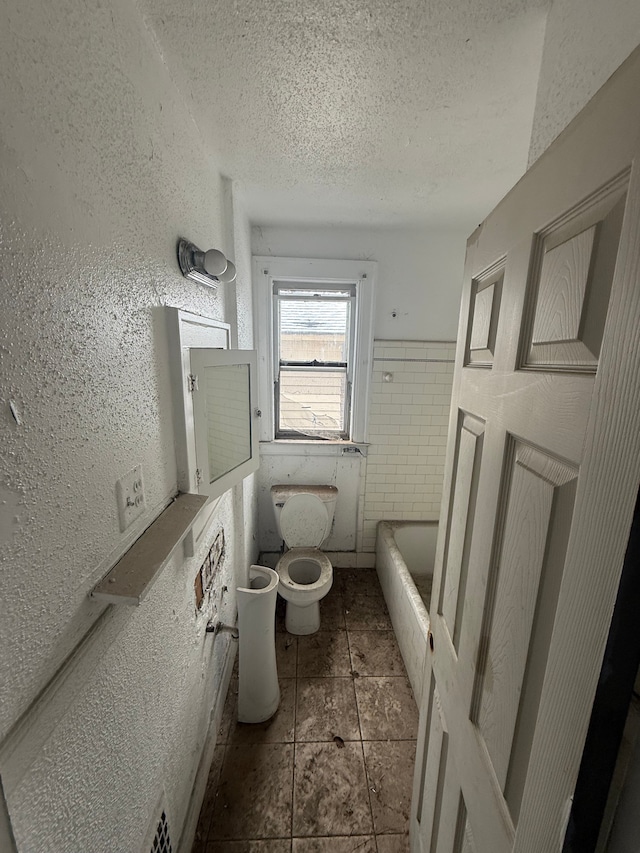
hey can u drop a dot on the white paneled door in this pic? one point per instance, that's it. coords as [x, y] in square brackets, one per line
[542, 474]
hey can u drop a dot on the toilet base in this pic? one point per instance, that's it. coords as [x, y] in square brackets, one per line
[302, 620]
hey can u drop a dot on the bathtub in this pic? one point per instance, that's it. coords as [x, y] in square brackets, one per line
[405, 552]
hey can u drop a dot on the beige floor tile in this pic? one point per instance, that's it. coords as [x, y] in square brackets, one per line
[332, 612]
[269, 845]
[255, 793]
[286, 654]
[389, 767]
[330, 790]
[326, 708]
[278, 729]
[335, 844]
[393, 843]
[375, 653]
[386, 708]
[360, 582]
[367, 613]
[324, 654]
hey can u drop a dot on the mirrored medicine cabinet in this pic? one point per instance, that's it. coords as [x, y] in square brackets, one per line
[215, 404]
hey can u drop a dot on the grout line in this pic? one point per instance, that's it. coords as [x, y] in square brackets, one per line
[366, 781]
[364, 762]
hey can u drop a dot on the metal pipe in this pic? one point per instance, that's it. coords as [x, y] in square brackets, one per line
[216, 627]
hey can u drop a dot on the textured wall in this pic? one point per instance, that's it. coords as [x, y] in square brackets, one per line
[102, 168]
[585, 41]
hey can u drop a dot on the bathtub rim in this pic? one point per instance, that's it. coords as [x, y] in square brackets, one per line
[385, 533]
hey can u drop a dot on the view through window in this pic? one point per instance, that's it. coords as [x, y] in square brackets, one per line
[313, 360]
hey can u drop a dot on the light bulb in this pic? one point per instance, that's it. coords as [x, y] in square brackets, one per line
[214, 262]
[229, 274]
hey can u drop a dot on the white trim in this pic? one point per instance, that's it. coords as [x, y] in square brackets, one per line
[198, 790]
[184, 330]
[266, 269]
[297, 447]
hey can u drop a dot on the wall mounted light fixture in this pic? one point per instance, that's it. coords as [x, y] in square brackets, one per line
[207, 268]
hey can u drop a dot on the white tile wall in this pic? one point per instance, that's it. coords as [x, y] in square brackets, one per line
[408, 422]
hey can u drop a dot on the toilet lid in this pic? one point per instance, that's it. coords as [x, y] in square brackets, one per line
[303, 521]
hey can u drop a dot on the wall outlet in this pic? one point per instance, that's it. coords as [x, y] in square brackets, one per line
[130, 496]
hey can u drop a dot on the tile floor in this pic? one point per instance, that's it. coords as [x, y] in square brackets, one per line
[332, 770]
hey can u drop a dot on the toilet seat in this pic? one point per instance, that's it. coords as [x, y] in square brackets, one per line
[313, 554]
[304, 522]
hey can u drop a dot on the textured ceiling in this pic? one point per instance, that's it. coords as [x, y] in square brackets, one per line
[354, 112]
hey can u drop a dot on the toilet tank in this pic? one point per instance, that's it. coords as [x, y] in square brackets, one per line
[281, 493]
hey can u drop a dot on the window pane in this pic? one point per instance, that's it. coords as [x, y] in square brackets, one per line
[313, 329]
[312, 401]
[321, 290]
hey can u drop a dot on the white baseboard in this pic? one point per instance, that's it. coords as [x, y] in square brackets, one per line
[202, 774]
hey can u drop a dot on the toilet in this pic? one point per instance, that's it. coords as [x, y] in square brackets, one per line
[304, 515]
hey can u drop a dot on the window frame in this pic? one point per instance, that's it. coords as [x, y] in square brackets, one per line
[327, 273]
[278, 364]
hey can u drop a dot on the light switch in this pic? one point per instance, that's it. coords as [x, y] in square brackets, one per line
[130, 496]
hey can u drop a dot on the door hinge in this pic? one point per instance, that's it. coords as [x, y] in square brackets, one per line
[192, 382]
[198, 477]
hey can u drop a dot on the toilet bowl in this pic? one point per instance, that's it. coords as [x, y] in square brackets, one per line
[304, 515]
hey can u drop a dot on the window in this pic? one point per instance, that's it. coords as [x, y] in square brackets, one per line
[315, 334]
[313, 362]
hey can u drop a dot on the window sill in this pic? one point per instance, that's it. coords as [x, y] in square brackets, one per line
[302, 447]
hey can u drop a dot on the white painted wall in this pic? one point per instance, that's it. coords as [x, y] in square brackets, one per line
[419, 271]
[245, 494]
[101, 169]
[585, 41]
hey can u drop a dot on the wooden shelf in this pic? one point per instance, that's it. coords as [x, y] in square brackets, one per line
[133, 575]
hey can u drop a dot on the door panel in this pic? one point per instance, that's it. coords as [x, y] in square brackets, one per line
[455, 564]
[533, 480]
[540, 483]
[572, 271]
[485, 311]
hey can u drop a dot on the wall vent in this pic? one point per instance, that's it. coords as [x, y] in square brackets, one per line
[162, 841]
